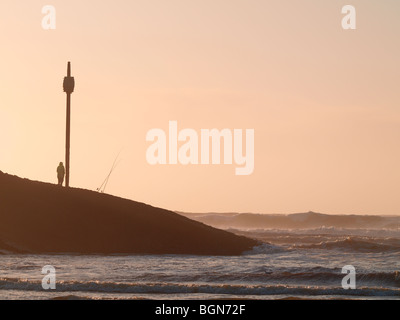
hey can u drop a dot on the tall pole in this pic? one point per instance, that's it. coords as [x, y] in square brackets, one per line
[69, 85]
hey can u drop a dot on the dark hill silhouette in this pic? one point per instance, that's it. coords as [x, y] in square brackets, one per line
[37, 217]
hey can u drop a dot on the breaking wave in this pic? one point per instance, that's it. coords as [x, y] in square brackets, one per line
[355, 244]
[265, 248]
[174, 288]
[308, 220]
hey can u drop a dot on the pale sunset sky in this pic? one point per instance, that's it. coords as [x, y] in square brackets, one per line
[324, 102]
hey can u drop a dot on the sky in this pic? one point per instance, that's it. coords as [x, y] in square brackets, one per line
[323, 102]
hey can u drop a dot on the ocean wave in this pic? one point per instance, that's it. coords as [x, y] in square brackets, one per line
[306, 220]
[355, 244]
[175, 288]
[265, 248]
[324, 275]
[320, 231]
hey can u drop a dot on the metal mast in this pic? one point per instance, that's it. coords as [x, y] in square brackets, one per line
[69, 85]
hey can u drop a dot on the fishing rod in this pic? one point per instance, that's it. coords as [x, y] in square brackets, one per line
[103, 186]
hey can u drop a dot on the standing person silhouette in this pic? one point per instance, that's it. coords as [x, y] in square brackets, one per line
[60, 173]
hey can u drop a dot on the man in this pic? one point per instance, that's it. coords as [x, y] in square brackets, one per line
[60, 174]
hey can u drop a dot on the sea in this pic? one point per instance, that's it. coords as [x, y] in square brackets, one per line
[300, 263]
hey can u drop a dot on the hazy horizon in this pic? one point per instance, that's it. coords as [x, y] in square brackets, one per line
[323, 101]
[289, 213]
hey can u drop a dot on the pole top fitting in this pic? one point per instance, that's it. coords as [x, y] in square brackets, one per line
[69, 82]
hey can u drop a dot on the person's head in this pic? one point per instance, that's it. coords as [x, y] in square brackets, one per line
[61, 164]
